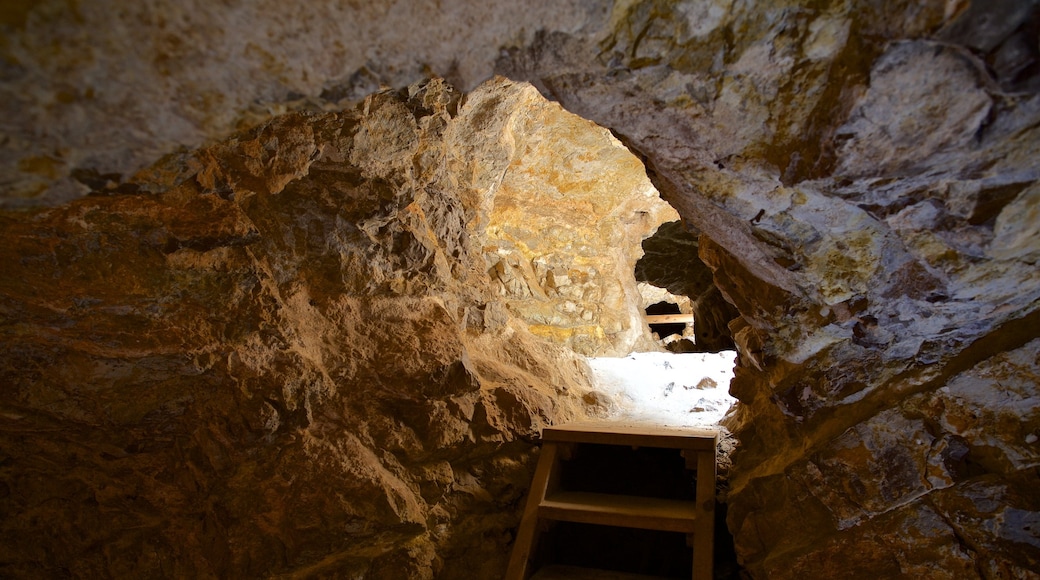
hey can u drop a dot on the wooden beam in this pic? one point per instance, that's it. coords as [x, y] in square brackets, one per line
[526, 537]
[669, 318]
[633, 435]
[648, 513]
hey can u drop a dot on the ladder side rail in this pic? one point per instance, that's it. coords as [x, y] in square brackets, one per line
[545, 476]
[704, 534]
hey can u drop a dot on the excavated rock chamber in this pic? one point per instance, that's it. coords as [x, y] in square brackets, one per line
[193, 386]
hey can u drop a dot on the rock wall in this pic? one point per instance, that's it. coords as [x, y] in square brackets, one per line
[94, 90]
[862, 173]
[565, 231]
[285, 352]
[863, 177]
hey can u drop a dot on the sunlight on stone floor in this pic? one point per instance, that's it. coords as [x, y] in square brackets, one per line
[680, 390]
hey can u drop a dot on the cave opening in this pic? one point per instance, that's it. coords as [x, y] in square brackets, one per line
[579, 243]
[677, 376]
[682, 377]
[679, 379]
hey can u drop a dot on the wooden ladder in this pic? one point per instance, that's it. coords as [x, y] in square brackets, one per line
[546, 501]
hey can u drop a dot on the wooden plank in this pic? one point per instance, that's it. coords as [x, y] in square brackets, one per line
[646, 513]
[669, 318]
[526, 535]
[632, 434]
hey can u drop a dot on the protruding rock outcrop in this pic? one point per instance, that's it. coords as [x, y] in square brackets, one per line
[287, 351]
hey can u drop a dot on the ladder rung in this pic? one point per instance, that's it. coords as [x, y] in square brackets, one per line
[668, 318]
[637, 435]
[646, 513]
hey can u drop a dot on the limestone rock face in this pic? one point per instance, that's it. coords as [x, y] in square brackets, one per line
[565, 230]
[117, 86]
[285, 352]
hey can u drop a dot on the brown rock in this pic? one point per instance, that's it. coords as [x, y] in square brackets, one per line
[864, 187]
[286, 356]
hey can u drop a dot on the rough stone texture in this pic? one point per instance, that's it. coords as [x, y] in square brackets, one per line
[284, 353]
[862, 173]
[565, 230]
[105, 88]
[855, 184]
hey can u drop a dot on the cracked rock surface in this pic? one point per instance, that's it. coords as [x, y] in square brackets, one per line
[286, 352]
[861, 175]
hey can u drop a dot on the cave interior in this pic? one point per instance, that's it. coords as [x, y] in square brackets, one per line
[292, 291]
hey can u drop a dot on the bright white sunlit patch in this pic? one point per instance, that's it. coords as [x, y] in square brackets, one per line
[681, 390]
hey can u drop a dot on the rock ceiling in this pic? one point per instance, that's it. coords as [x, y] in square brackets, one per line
[202, 388]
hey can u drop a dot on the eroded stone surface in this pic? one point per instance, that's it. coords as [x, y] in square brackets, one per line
[286, 352]
[176, 73]
[564, 232]
[855, 200]
[862, 174]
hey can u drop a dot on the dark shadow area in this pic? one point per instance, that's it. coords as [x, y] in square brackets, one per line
[647, 472]
[633, 551]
